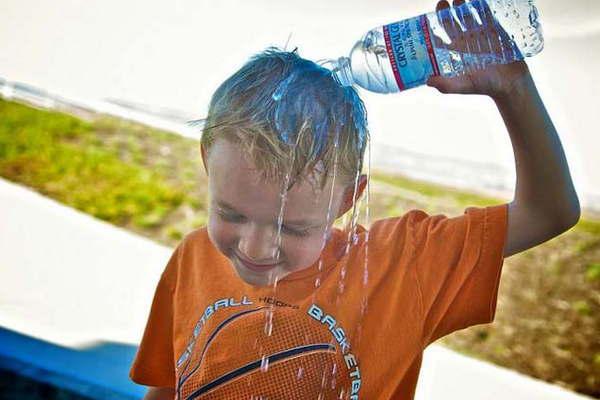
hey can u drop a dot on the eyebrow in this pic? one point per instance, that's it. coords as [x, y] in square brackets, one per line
[300, 222]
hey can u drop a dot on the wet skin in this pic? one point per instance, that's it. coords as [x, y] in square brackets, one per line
[244, 211]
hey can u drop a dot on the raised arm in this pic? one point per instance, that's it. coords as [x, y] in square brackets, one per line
[545, 203]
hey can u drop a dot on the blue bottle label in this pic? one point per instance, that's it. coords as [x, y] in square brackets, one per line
[410, 51]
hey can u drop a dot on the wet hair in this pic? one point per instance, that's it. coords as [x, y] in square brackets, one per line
[291, 116]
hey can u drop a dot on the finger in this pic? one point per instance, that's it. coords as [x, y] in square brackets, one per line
[456, 3]
[447, 21]
[485, 12]
[464, 15]
[440, 40]
[489, 38]
[506, 43]
[471, 29]
[501, 41]
[442, 5]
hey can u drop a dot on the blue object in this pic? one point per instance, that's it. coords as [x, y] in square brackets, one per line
[99, 372]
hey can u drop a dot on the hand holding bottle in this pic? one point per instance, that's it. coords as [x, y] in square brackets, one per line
[475, 36]
[492, 79]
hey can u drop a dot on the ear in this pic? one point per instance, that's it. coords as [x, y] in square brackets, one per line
[204, 157]
[348, 201]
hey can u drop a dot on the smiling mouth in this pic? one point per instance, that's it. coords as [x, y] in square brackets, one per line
[255, 267]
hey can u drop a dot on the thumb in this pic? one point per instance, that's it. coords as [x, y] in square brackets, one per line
[458, 84]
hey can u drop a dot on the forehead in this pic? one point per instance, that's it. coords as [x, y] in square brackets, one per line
[234, 179]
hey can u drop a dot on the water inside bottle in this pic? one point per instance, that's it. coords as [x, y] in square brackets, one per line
[449, 42]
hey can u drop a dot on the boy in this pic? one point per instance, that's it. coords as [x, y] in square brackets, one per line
[270, 301]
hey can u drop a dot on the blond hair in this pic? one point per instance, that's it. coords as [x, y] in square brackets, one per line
[291, 116]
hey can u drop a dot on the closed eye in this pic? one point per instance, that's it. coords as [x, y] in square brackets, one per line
[294, 231]
[231, 217]
[238, 218]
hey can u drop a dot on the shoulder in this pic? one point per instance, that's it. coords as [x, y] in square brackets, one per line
[475, 227]
[404, 222]
[197, 237]
[420, 219]
[195, 247]
[395, 232]
[417, 225]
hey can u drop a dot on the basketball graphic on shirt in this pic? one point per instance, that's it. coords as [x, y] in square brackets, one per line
[299, 358]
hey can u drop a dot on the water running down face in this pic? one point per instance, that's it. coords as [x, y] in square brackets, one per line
[244, 211]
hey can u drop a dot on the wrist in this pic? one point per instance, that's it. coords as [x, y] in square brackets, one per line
[519, 82]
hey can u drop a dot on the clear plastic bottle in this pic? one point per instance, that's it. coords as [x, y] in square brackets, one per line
[449, 42]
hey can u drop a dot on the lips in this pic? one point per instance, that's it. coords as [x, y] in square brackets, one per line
[255, 267]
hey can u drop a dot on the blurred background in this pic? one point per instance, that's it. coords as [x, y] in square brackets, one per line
[173, 55]
[96, 96]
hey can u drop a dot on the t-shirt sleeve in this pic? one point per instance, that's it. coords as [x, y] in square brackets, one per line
[458, 262]
[154, 361]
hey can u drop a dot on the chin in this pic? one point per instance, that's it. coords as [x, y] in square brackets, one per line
[254, 279]
[259, 281]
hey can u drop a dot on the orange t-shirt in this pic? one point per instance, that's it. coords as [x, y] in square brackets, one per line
[342, 330]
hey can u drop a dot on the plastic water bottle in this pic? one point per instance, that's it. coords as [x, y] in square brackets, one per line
[449, 42]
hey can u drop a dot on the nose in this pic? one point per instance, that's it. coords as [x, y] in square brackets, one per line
[259, 244]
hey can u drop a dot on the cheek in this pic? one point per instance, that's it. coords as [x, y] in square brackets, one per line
[304, 252]
[222, 235]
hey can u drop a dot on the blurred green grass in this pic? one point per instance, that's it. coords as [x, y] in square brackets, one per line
[61, 157]
[103, 167]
